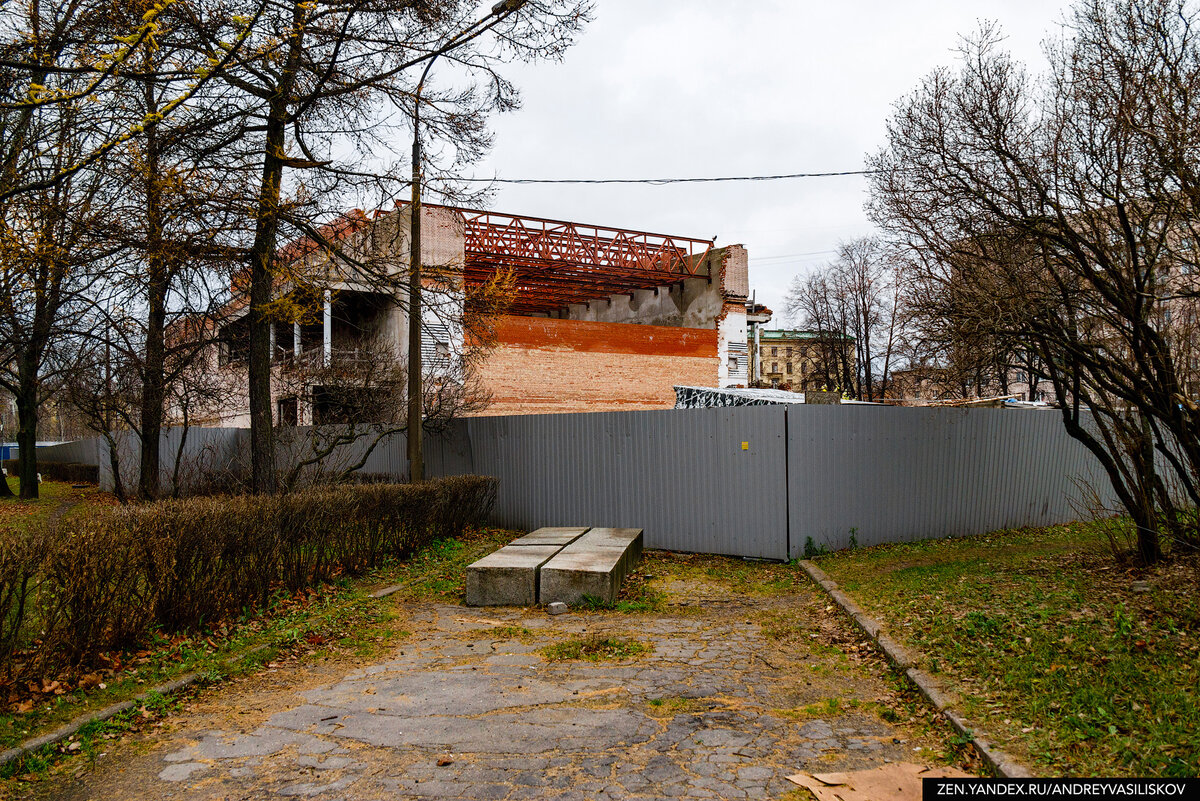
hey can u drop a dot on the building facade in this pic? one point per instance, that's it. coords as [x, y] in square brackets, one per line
[598, 318]
[801, 360]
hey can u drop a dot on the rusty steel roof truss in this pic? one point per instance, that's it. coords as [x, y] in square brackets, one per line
[557, 263]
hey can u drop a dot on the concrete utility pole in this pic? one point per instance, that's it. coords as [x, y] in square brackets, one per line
[416, 457]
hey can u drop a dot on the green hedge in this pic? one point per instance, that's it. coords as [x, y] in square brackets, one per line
[102, 582]
[68, 472]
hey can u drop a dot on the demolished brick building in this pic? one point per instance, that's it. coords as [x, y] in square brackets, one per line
[600, 318]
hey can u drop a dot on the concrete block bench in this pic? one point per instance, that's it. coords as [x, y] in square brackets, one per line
[593, 565]
[555, 564]
[550, 536]
[509, 576]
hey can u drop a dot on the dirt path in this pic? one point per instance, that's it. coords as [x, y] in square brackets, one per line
[733, 695]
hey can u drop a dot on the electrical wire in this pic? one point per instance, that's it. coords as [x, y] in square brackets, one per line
[662, 181]
[795, 256]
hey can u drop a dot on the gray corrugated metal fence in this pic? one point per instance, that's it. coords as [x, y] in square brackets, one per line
[209, 452]
[682, 476]
[894, 474]
[206, 452]
[749, 481]
[84, 451]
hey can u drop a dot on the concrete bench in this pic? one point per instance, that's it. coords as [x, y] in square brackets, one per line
[594, 565]
[509, 576]
[550, 536]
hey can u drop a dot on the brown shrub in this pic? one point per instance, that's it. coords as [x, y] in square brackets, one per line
[96, 593]
[466, 501]
[103, 582]
[22, 553]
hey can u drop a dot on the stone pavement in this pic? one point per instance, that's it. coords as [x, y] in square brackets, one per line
[470, 708]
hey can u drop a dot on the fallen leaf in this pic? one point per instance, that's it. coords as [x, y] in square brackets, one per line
[89, 680]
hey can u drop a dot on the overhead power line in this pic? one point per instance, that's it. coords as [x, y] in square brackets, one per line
[794, 256]
[661, 181]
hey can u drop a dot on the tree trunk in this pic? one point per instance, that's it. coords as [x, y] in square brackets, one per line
[183, 437]
[152, 398]
[27, 414]
[416, 460]
[262, 439]
[114, 464]
[266, 233]
[1148, 545]
[154, 367]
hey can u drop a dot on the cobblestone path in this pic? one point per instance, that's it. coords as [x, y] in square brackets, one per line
[731, 696]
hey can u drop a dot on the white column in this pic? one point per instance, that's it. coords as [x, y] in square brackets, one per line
[328, 327]
[296, 340]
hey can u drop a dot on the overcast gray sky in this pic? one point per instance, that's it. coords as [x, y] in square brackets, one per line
[673, 88]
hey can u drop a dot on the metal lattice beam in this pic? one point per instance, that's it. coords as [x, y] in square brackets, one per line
[556, 263]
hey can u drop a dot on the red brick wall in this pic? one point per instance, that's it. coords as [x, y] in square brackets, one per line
[544, 366]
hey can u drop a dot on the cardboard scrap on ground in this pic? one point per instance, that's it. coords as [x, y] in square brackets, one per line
[896, 781]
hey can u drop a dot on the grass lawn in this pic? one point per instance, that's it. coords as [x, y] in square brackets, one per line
[53, 496]
[1061, 654]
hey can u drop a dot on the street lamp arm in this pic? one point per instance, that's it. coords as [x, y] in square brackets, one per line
[464, 36]
[416, 460]
[500, 12]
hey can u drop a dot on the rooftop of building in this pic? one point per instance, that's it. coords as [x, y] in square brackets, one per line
[798, 334]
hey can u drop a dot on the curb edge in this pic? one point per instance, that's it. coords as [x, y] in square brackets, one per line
[905, 663]
[75, 724]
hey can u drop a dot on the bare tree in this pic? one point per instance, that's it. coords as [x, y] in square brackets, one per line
[853, 306]
[57, 59]
[176, 217]
[1059, 213]
[106, 392]
[46, 239]
[69, 72]
[955, 356]
[314, 85]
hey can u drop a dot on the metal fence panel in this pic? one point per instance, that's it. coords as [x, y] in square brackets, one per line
[205, 452]
[209, 452]
[83, 451]
[682, 476]
[885, 474]
[821, 472]
[380, 454]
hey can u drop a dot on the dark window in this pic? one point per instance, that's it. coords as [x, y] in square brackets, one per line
[789, 368]
[343, 405]
[284, 338]
[289, 412]
[233, 344]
